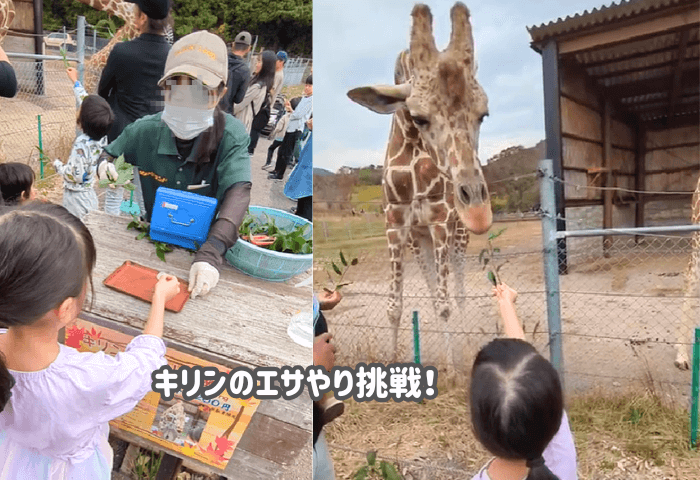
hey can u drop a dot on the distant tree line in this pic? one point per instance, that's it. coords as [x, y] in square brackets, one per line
[279, 24]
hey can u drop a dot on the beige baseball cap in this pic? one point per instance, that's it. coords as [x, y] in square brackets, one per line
[200, 55]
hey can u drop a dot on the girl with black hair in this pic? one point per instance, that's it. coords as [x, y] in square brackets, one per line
[16, 183]
[517, 408]
[56, 402]
[258, 93]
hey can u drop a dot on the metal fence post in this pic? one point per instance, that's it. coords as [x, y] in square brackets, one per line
[416, 338]
[81, 48]
[551, 265]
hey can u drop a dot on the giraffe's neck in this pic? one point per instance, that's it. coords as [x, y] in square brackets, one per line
[123, 10]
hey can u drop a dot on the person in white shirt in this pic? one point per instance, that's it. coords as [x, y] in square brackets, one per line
[297, 119]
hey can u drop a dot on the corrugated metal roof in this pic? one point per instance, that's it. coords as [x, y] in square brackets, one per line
[601, 16]
[653, 76]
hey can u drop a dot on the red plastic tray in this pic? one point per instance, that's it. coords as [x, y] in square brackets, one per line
[140, 282]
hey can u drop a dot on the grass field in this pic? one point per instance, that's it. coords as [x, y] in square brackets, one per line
[630, 437]
[367, 198]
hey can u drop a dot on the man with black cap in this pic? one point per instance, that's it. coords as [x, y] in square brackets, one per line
[238, 72]
[129, 81]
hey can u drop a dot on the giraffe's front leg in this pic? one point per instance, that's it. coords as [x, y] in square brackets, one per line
[442, 303]
[396, 239]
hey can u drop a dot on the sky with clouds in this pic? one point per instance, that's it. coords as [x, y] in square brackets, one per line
[356, 43]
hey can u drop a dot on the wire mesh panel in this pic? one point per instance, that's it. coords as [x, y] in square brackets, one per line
[622, 312]
[296, 70]
[360, 323]
[43, 89]
[621, 307]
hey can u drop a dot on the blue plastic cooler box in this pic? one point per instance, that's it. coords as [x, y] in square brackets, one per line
[181, 218]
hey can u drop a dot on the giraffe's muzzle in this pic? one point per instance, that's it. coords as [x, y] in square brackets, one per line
[474, 206]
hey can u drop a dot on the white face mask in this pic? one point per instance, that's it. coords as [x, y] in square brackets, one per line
[185, 122]
[185, 111]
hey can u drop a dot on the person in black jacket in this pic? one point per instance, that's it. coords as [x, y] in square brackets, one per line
[8, 80]
[238, 72]
[129, 81]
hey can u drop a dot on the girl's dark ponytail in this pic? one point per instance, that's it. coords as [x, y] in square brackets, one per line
[7, 381]
[539, 471]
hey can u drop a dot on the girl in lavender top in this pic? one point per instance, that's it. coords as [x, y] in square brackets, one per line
[517, 407]
[55, 402]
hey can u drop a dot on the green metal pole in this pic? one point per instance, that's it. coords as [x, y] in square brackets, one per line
[416, 338]
[694, 391]
[41, 151]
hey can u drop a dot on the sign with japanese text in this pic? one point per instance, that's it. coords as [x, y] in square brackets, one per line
[207, 430]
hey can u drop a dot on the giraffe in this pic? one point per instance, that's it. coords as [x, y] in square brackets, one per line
[7, 14]
[94, 65]
[692, 276]
[434, 192]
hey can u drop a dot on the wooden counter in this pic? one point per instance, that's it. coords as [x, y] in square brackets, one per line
[242, 322]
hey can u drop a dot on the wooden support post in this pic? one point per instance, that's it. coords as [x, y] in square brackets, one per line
[132, 453]
[552, 126]
[640, 179]
[607, 182]
[169, 467]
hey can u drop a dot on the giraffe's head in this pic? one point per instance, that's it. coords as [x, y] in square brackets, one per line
[438, 93]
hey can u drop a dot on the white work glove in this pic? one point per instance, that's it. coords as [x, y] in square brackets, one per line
[107, 171]
[57, 165]
[203, 277]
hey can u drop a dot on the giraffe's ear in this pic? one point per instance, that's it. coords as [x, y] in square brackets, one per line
[381, 98]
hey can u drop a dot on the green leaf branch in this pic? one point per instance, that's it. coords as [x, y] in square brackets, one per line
[340, 272]
[142, 227]
[125, 175]
[486, 259]
[64, 54]
[285, 240]
[373, 469]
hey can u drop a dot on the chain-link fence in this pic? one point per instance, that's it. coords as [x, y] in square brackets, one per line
[296, 70]
[44, 108]
[621, 308]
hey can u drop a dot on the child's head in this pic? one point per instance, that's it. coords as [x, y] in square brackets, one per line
[294, 102]
[16, 183]
[95, 117]
[308, 86]
[516, 402]
[47, 256]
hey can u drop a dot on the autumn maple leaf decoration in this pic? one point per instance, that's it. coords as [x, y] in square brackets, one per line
[74, 336]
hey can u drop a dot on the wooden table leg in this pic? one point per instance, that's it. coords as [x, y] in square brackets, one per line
[169, 467]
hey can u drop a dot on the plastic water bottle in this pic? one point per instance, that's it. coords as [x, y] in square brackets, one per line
[113, 200]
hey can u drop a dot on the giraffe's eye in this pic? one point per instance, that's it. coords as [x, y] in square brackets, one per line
[421, 121]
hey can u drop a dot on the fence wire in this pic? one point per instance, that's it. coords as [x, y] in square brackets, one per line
[621, 310]
[43, 90]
